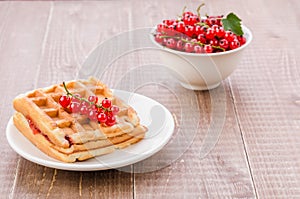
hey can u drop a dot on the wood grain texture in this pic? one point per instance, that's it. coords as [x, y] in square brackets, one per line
[18, 62]
[257, 152]
[265, 91]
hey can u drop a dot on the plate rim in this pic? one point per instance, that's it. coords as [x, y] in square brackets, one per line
[56, 164]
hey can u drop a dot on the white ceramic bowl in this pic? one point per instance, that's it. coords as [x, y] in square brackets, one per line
[202, 71]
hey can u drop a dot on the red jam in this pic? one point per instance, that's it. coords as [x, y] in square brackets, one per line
[34, 129]
[69, 140]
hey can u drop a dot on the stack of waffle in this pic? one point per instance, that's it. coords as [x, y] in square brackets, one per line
[71, 137]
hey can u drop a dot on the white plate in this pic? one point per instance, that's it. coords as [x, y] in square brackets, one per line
[154, 115]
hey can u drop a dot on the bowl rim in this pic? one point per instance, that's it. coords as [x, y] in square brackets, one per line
[246, 30]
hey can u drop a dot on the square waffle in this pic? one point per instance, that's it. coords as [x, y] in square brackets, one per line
[71, 137]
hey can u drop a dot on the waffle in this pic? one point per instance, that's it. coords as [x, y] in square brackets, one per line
[71, 137]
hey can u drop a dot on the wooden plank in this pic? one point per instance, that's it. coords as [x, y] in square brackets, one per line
[224, 171]
[266, 90]
[49, 49]
[21, 36]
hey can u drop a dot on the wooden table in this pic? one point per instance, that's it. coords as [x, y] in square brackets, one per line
[257, 151]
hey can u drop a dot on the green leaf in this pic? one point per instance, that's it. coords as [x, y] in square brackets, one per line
[233, 23]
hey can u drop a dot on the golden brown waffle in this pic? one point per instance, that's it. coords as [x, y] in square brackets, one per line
[70, 136]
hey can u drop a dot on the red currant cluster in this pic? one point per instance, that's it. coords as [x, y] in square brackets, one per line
[192, 34]
[104, 112]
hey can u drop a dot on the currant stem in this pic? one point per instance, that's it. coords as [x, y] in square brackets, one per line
[199, 8]
[203, 24]
[183, 10]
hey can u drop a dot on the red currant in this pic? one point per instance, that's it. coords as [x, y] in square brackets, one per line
[170, 31]
[191, 20]
[93, 99]
[85, 103]
[93, 115]
[214, 42]
[111, 120]
[223, 43]
[187, 14]
[75, 98]
[171, 43]
[188, 47]
[202, 38]
[220, 32]
[214, 27]
[180, 27]
[194, 40]
[74, 107]
[180, 45]
[160, 28]
[198, 30]
[64, 101]
[204, 29]
[189, 31]
[210, 33]
[164, 41]
[168, 22]
[106, 103]
[234, 44]
[84, 110]
[101, 118]
[114, 109]
[242, 40]
[208, 49]
[158, 38]
[229, 36]
[198, 49]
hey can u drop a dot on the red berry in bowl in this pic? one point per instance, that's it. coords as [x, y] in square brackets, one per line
[168, 22]
[158, 38]
[202, 38]
[198, 49]
[164, 41]
[198, 30]
[214, 27]
[188, 47]
[208, 49]
[180, 27]
[171, 43]
[180, 45]
[224, 43]
[177, 34]
[210, 33]
[229, 36]
[234, 44]
[189, 31]
[214, 42]
[220, 32]
[242, 40]
[187, 14]
[160, 28]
